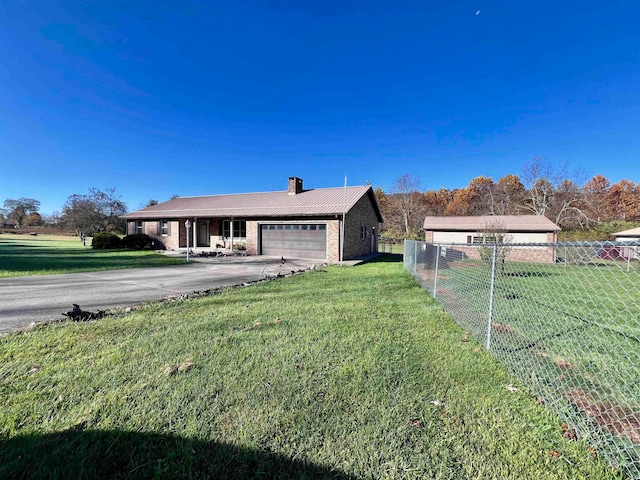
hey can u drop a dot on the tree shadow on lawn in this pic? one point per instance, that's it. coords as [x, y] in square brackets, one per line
[79, 260]
[117, 454]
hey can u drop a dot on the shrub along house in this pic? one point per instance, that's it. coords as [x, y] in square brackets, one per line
[325, 223]
[484, 229]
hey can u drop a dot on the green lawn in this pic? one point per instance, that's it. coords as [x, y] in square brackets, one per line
[397, 248]
[42, 255]
[572, 333]
[337, 373]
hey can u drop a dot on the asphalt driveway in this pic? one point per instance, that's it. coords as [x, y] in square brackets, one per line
[24, 300]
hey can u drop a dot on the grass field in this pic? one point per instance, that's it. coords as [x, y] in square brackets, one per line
[42, 255]
[571, 332]
[337, 373]
[396, 248]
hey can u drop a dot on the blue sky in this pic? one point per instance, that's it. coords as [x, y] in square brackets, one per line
[194, 98]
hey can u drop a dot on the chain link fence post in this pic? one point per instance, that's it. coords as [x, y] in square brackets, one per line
[435, 274]
[491, 291]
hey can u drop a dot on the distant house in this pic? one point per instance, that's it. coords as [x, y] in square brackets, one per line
[296, 223]
[632, 235]
[478, 230]
[630, 251]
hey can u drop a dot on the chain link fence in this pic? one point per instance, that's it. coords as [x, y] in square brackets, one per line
[390, 245]
[564, 317]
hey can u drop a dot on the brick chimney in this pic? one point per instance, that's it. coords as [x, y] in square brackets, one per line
[295, 185]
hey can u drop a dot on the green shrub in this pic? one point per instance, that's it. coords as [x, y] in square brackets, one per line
[105, 241]
[138, 241]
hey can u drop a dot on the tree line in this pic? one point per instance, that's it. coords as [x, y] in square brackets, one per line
[574, 204]
[87, 214]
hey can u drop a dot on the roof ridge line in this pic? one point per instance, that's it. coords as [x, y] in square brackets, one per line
[268, 191]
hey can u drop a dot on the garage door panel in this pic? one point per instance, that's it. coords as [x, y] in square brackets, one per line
[304, 241]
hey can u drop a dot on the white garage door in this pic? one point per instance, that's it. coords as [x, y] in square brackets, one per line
[294, 241]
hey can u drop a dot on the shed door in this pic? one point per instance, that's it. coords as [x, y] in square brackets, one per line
[294, 241]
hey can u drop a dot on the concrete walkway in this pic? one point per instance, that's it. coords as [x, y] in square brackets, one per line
[24, 300]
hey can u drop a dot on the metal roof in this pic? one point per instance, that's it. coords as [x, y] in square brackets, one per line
[511, 223]
[315, 202]
[634, 232]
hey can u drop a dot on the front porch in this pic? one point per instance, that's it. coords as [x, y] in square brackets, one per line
[212, 234]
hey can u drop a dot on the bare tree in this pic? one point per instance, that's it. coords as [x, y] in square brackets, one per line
[569, 207]
[554, 193]
[495, 237]
[20, 209]
[409, 202]
[99, 211]
[536, 175]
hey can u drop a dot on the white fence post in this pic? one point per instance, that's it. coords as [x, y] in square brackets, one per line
[435, 277]
[491, 288]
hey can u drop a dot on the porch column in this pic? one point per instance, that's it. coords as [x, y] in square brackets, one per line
[231, 233]
[194, 232]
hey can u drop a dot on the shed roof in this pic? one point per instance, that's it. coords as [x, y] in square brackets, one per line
[308, 203]
[511, 223]
[634, 232]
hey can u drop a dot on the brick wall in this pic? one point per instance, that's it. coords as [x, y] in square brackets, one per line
[333, 240]
[252, 237]
[151, 228]
[170, 241]
[361, 215]
[513, 254]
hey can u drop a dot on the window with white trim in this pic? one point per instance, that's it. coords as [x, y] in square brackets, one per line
[139, 226]
[239, 229]
[490, 238]
[164, 227]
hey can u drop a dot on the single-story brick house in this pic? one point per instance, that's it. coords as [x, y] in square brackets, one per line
[294, 223]
[512, 229]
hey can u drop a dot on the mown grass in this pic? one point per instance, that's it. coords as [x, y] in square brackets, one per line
[338, 373]
[554, 305]
[396, 248]
[22, 255]
[571, 332]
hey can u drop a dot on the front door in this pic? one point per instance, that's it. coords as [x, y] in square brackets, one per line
[203, 233]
